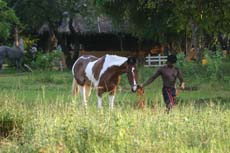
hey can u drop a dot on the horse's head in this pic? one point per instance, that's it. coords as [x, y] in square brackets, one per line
[132, 73]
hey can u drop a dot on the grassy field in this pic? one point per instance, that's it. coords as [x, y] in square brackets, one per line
[38, 114]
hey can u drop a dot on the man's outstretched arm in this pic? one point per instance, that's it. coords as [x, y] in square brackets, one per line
[152, 78]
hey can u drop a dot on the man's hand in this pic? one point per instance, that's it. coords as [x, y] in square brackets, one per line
[140, 85]
[182, 85]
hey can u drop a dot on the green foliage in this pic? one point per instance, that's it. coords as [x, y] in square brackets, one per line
[47, 60]
[147, 19]
[7, 20]
[169, 20]
[29, 42]
[4, 30]
[46, 11]
[49, 12]
[214, 69]
[189, 69]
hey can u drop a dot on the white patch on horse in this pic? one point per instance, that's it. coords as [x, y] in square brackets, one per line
[112, 60]
[90, 74]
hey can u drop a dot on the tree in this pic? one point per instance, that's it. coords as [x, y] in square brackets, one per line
[171, 20]
[35, 13]
[8, 20]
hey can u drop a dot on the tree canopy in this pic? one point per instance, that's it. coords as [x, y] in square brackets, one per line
[7, 20]
[34, 13]
[170, 19]
[160, 20]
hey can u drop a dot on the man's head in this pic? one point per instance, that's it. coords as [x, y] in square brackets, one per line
[172, 59]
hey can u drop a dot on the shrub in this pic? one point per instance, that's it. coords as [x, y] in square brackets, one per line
[188, 68]
[214, 67]
[46, 61]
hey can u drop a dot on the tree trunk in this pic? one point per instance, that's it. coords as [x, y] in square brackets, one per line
[194, 29]
[63, 40]
[76, 52]
[186, 42]
[16, 39]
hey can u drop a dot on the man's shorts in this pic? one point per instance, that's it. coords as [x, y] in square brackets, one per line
[169, 95]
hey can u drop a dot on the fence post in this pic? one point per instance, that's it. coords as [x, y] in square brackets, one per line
[149, 61]
[159, 60]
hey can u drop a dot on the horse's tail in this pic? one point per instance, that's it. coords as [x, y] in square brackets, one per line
[74, 87]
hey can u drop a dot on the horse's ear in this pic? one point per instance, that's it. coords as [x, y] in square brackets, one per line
[131, 60]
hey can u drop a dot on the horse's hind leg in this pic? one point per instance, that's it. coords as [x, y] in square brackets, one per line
[87, 91]
[74, 87]
[82, 90]
[99, 101]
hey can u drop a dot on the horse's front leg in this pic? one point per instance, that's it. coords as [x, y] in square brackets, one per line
[112, 97]
[100, 91]
[18, 65]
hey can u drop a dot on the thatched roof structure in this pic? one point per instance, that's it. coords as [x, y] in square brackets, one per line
[99, 24]
[88, 24]
[96, 33]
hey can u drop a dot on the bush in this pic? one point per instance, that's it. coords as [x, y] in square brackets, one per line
[215, 69]
[188, 68]
[46, 61]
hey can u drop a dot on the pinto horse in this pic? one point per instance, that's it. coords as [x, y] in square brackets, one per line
[103, 74]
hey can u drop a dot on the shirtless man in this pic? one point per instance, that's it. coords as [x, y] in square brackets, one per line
[169, 73]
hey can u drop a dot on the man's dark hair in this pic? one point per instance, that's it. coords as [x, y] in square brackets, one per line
[172, 59]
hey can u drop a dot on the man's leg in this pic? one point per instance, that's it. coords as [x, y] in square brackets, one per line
[166, 99]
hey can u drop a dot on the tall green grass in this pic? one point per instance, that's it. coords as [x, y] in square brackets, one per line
[38, 114]
[65, 127]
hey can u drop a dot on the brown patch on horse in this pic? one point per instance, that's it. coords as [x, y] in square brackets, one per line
[79, 69]
[110, 79]
[97, 67]
[140, 97]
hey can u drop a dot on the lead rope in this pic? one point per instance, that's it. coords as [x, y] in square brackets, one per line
[140, 97]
